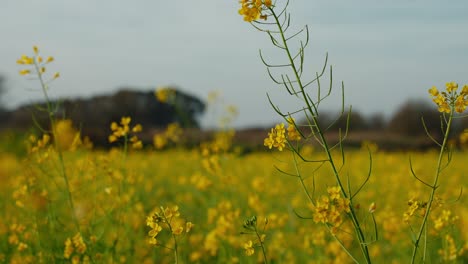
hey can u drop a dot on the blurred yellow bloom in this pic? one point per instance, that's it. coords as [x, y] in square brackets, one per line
[249, 250]
[24, 72]
[137, 128]
[25, 60]
[433, 91]
[188, 226]
[163, 94]
[36, 50]
[451, 86]
[178, 230]
[125, 121]
[159, 141]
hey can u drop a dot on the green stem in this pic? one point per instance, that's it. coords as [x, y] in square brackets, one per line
[314, 111]
[261, 245]
[57, 145]
[433, 189]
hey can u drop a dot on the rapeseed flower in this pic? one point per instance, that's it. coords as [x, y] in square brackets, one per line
[329, 209]
[276, 138]
[253, 10]
[36, 64]
[164, 94]
[293, 134]
[450, 100]
[249, 249]
[123, 130]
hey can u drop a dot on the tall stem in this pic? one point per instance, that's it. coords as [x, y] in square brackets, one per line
[57, 145]
[433, 188]
[314, 111]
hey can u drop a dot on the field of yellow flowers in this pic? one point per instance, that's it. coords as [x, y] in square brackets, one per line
[63, 202]
[117, 196]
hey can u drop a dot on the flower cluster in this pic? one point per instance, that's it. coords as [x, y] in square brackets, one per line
[34, 144]
[329, 209]
[164, 94]
[72, 245]
[250, 227]
[37, 64]
[293, 134]
[277, 136]
[253, 10]
[172, 134]
[444, 219]
[449, 252]
[17, 236]
[123, 130]
[413, 207]
[166, 218]
[450, 100]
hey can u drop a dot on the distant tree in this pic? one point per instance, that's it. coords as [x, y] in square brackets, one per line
[408, 119]
[339, 121]
[376, 121]
[93, 116]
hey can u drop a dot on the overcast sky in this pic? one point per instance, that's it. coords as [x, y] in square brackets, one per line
[385, 51]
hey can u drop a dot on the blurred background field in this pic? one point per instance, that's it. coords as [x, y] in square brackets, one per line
[113, 195]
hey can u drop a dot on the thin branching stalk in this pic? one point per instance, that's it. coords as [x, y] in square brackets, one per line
[261, 245]
[422, 228]
[312, 108]
[52, 121]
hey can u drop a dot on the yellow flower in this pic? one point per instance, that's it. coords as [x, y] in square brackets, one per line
[334, 192]
[188, 226]
[293, 134]
[56, 75]
[68, 248]
[114, 126]
[112, 138]
[460, 104]
[36, 50]
[25, 60]
[137, 128]
[433, 91]
[159, 141]
[276, 138]
[124, 121]
[163, 94]
[178, 230]
[464, 90]
[451, 86]
[269, 141]
[24, 72]
[253, 10]
[249, 250]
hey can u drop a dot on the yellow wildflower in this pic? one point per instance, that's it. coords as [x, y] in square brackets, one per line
[24, 72]
[163, 94]
[450, 100]
[253, 10]
[249, 250]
